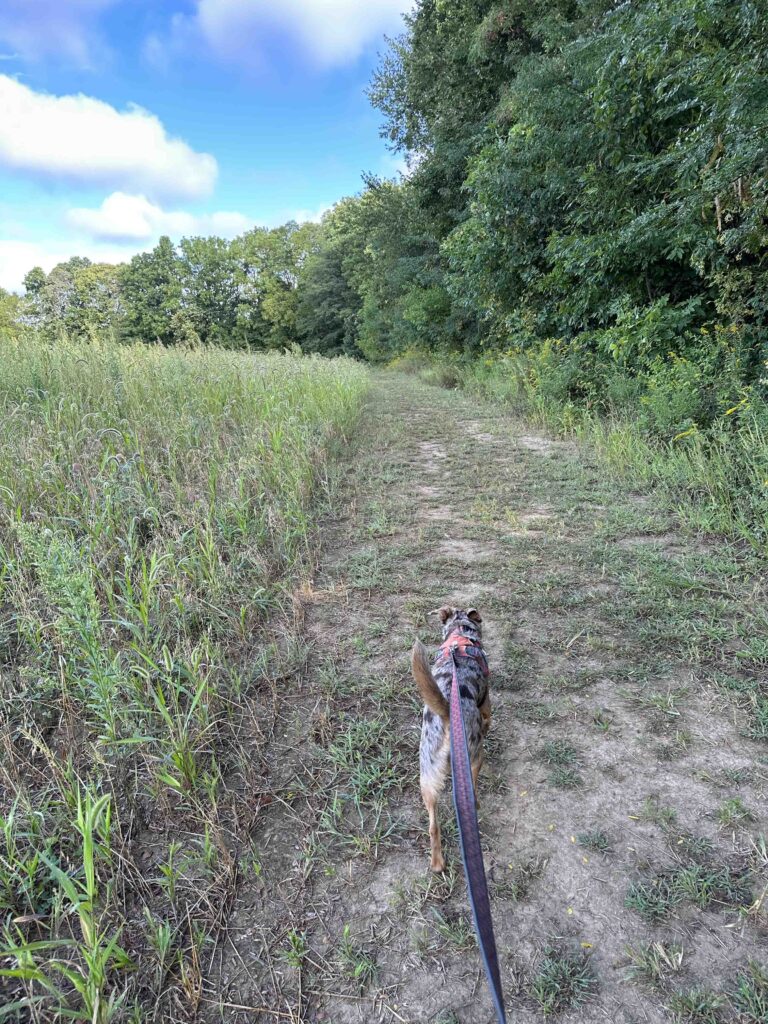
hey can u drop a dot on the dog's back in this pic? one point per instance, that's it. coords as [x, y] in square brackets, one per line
[435, 684]
[473, 690]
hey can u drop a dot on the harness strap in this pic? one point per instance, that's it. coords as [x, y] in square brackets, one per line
[465, 647]
[469, 839]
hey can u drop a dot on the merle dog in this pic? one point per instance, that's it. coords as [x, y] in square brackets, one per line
[435, 687]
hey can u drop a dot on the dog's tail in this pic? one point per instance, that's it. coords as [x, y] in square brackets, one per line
[428, 688]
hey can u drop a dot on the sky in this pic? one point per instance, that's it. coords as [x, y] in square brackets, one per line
[121, 120]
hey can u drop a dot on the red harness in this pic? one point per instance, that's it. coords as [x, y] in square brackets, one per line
[464, 647]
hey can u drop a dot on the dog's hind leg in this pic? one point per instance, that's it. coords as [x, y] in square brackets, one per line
[485, 715]
[476, 766]
[434, 757]
[431, 797]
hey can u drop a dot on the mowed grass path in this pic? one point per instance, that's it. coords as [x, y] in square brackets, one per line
[157, 508]
[623, 801]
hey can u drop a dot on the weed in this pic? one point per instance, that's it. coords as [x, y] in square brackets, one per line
[161, 936]
[679, 745]
[759, 845]
[517, 881]
[537, 713]
[697, 847]
[694, 883]
[562, 981]
[595, 839]
[572, 683]
[170, 871]
[704, 886]
[96, 954]
[750, 996]
[565, 778]
[602, 720]
[733, 813]
[662, 703]
[563, 759]
[431, 888]
[365, 570]
[356, 963]
[156, 506]
[333, 682]
[758, 723]
[360, 830]
[736, 776]
[25, 884]
[377, 520]
[653, 962]
[364, 759]
[697, 1006]
[361, 647]
[655, 812]
[750, 695]
[560, 753]
[653, 900]
[456, 930]
[294, 950]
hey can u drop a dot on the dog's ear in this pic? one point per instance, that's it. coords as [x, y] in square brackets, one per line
[446, 612]
[474, 614]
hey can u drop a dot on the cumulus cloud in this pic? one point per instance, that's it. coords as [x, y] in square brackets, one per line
[332, 31]
[84, 140]
[17, 257]
[304, 214]
[66, 29]
[122, 226]
[127, 218]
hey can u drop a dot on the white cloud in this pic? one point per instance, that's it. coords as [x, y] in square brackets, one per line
[302, 216]
[125, 218]
[122, 226]
[18, 257]
[332, 31]
[84, 140]
[395, 166]
[36, 29]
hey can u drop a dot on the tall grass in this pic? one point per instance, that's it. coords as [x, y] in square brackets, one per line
[155, 509]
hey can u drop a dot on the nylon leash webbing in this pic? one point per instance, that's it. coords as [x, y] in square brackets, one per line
[471, 851]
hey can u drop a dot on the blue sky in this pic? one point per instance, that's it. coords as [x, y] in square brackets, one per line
[121, 120]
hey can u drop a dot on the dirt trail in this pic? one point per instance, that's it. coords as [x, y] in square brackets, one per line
[617, 757]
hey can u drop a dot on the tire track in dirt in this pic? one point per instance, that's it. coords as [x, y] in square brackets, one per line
[601, 727]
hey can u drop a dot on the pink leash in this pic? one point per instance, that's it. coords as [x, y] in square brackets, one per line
[469, 834]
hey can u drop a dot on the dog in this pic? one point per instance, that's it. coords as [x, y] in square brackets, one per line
[434, 685]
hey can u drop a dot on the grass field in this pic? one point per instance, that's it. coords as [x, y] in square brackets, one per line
[209, 771]
[157, 509]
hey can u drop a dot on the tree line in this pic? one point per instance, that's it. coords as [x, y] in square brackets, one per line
[239, 293]
[587, 187]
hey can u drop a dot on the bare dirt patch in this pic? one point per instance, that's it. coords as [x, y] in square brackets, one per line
[542, 445]
[468, 552]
